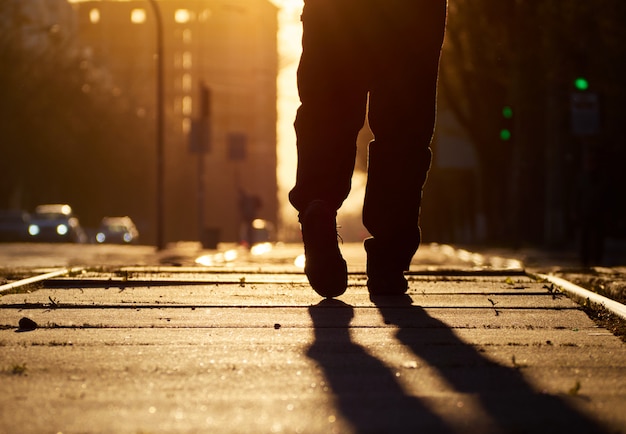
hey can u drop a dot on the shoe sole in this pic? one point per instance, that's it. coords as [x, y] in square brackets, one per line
[330, 279]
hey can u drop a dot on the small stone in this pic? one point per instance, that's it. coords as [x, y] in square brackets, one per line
[276, 326]
[26, 325]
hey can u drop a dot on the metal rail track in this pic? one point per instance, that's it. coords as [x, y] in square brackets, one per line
[582, 295]
[579, 294]
[38, 278]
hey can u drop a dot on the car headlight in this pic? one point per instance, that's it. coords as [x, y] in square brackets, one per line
[33, 230]
[100, 237]
[62, 229]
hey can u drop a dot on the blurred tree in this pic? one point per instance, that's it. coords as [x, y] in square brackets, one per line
[526, 55]
[475, 75]
[66, 132]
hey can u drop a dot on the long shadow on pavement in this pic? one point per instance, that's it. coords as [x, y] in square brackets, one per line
[367, 392]
[511, 403]
[369, 396]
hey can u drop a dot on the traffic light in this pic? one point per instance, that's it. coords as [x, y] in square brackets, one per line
[581, 83]
[506, 133]
[200, 133]
[585, 109]
[205, 101]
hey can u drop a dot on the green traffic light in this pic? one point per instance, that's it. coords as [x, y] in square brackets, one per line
[581, 83]
[507, 112]
[505, 135]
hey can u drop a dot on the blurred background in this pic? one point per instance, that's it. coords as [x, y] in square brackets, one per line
[197, 144]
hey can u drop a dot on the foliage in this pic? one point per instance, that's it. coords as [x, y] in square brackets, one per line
[67, 135]
[526, 54]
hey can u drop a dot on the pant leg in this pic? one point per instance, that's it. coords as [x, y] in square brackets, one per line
[402, 118]
[333, 103]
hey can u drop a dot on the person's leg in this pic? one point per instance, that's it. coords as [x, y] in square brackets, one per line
[333, 104]
[332, 112]
[402, 117]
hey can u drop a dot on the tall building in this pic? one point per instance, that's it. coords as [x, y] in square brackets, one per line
[220, 69]
[37, 20]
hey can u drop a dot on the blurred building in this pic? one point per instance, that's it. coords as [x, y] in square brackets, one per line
[220, 70]
[36, 24]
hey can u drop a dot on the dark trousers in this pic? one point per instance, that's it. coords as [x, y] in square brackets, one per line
[379, 57]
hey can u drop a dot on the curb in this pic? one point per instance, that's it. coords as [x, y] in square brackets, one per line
[582, 295]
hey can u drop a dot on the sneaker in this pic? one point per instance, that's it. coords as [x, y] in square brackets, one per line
[385, 276]
[325, 267]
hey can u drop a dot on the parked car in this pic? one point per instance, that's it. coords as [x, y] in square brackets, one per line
[118, 230]
[54, 223]
[14, 226]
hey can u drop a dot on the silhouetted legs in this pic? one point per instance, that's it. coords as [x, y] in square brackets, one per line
[387, 50]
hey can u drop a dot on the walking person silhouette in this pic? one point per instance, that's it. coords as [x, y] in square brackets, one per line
[378, 58]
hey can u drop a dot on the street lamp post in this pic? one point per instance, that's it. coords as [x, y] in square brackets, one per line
[160, 208]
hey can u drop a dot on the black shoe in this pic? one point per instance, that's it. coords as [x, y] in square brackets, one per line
[325, 267]
[385, 274]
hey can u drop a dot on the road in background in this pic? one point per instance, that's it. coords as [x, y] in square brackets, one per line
[41, 255]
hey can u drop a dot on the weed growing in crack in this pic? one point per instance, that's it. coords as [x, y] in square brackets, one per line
[493, 305]
[516, 364]
[575, 390]
[54, 303]
[554, 291]
[18, 369]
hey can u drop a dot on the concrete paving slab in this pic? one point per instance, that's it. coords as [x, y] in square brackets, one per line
[237, 357]
[210, 288]
[222, 295]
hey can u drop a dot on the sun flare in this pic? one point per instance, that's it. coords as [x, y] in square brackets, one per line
[289, 47]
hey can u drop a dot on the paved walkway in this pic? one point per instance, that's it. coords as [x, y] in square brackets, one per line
[255, 350]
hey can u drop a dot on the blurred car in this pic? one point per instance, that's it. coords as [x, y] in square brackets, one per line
[55, 223]
[117, 230]
[14, 226]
